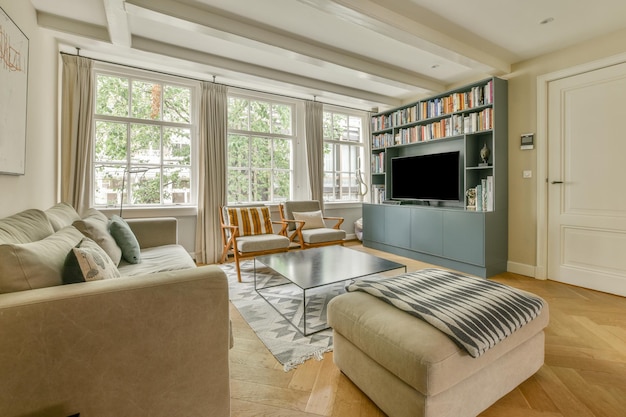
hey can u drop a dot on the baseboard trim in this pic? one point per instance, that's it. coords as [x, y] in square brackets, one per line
[522, 269]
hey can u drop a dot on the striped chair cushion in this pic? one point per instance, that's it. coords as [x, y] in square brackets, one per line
[251, 220]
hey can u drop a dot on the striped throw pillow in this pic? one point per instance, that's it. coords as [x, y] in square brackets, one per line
[251, 220]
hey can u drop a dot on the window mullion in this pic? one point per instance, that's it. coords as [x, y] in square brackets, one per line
[127, 167]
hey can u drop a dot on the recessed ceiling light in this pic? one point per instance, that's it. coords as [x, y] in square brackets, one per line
[546, 21]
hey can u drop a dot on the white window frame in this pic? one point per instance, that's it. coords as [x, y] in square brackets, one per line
[299, 178]
[363, 144]
[300, 185]
[102, 68]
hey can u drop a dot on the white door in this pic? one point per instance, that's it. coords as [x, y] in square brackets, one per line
[587, 180]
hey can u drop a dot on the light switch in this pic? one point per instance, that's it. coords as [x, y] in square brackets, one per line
[527, 174]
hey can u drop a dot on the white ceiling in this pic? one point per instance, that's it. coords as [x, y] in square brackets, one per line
[360, 53]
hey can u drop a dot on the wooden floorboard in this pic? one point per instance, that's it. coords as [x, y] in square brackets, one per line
[584, 374]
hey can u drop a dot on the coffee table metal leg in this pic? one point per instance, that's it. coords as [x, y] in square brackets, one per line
[304, 310]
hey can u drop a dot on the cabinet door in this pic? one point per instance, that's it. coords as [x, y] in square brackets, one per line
[373, 223]
[398, 226]
[464, 236]
[427, 231]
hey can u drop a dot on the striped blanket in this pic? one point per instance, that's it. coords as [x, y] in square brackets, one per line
[475, 313]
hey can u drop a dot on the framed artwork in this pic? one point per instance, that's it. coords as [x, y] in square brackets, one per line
[13, 96]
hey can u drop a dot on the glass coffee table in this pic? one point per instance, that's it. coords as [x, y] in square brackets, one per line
[315, 269]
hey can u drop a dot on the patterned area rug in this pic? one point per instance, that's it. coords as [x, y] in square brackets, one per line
[278, 333]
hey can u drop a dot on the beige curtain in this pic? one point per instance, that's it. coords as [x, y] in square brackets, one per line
[76, 127]
[211, 171]
[314, 130]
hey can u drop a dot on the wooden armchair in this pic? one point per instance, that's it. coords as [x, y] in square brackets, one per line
[248, 231]
[306, 224]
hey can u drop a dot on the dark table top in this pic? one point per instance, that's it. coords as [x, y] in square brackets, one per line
[315, 267]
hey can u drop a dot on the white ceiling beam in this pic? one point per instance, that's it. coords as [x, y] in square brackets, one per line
[213, 64]
[117, 22]
[289, 45]
[65, 25]
[413, 32]
[285, 78]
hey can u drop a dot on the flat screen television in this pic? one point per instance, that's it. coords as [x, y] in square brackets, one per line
[432, 177]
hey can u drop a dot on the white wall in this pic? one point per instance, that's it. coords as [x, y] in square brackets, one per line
[37, 188]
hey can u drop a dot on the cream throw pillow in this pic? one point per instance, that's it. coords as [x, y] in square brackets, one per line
[61, 215]
[38, 264]
[311, 219]
[87, 261]
[95, 226]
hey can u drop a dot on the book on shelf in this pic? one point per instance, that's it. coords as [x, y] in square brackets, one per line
[437, 130]
[378, 163]
[378, 194]
[457, 124]
[478, 121]
[477, 96]
[381, 122]
[404, 116]
[484, 195]
[382, 140]
[483, 184]
[490, 193]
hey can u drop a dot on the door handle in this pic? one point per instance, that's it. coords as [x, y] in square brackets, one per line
[557, 182]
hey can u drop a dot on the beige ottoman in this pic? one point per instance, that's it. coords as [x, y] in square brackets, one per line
[411, 369]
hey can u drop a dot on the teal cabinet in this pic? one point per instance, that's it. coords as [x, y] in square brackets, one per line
[464, 236]
[464, 240]
[427, 231]
[397, 226]
[374, 216]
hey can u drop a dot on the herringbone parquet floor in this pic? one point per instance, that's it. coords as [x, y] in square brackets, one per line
[584, 373]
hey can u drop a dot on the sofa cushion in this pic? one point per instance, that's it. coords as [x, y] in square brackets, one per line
[25, 227]
[95, 226]
[61, 215]
[313, 236]
[262, 242]
[24, 266]
[125, 239]
[87, 261]
[158, 259]
[311, 219]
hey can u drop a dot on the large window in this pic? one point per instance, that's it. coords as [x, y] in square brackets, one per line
[144, 129]
[260, 143]
[343, 152]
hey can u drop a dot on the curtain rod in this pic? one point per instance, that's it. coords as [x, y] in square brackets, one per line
[201, 80]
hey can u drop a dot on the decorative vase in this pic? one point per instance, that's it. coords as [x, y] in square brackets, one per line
[484, 155]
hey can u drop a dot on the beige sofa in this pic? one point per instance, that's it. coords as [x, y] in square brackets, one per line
[147, 344]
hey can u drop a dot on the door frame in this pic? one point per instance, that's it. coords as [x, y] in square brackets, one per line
[541, 268]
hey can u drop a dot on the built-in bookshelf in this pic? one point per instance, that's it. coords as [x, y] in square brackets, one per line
[466, 119]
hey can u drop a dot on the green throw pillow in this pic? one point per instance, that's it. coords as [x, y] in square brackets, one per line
[125, 239]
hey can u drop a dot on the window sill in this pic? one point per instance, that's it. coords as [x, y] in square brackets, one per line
[150, 212]
[328, 205]
[342, 204]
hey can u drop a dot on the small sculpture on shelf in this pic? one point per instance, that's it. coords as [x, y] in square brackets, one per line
[471, 198]
[484, 156]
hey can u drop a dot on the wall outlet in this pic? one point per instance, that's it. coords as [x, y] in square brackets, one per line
[527, 174]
